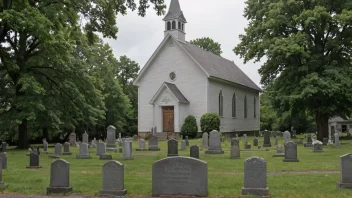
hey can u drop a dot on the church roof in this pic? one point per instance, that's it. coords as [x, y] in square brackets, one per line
[174, 90]
[218, 67]
[175, 12]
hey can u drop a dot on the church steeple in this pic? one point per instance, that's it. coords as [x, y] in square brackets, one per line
[175, 21]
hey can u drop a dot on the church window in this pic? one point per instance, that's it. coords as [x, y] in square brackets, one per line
[173, 25]
[169, 25]
[182, 27]
[234, 105]
[179, 26]
[245, 106]
[255, 107]
[172, 76]
[221, 104]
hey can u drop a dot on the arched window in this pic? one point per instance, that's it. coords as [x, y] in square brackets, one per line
[182, 28]
[255, 107]
[234, 105]
[173, 25]
[169, 25]
[221, 104]
[179, 26]
[245, 106]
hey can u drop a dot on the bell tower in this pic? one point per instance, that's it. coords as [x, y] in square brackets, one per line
[175, 21]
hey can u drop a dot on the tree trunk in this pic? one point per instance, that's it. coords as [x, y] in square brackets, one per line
[322, 125]
[23, 135]
[45, 133]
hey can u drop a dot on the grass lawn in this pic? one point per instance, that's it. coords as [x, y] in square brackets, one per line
[314, 176]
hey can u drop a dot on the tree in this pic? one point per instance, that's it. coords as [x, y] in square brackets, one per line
[308, 47]
[208, 44]
[42, 66]
[190, 127]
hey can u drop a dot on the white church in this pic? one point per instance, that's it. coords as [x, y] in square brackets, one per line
[181, 79]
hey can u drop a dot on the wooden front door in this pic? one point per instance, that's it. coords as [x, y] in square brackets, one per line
[168, 119]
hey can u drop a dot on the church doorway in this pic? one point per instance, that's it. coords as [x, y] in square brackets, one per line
[168, 119]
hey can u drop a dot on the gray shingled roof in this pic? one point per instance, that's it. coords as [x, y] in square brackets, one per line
[181, 98]
[175, 12]
[219, 67]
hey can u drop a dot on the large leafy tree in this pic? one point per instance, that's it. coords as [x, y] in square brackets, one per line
[307, 45]
[42, 67]
[208, 44]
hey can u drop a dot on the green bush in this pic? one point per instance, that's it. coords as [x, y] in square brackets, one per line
[210, 122]
[189, 127]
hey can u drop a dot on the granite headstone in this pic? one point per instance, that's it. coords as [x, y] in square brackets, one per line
[59, 177]
[113, 179]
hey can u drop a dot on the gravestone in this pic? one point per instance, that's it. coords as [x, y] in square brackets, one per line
[58, 151]
[255, 142]
[183, 145]
[45, 146]
[3, 147]
[205, 138]
[33, 161]
[127, 150]
[141, 145]
[105, 156]
[111, 139]
[194, 151]
[309, 142]
[180, 176]
[287, 137]
[83, 151]
[113, 179]
[67, 149]
[235, 149]
[187, 142]
[72, 139]
[214, 143]
[276, 141]
[2, 185]
[325, 141]
[266, 139]
[345, 172]
[85, 137]
[318, 148]
[101, 148]
[245, 139]
[172, 148]
[93, 144]
[255, 177]
[290, 152]
[59, 177]
[153, 144]
[279, 151]
[3, 158]
[337, 139]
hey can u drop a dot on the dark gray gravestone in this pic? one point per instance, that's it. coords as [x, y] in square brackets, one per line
[67, 149]
[2, 185]
[255, 142]
[113, 179]
[141, 145]
[214, 143]
[3, 147]
[318, 148]
[153, 144]
[85, 137]
[59, 177]
[127, 150]
[235, 149]
[205, 141]
[58, 149]
[3, 158]
[279, 151]
[194, 151]
[72, 139]
[33, 161]
[266, 139]
[111, 139]
[290, 152]
[309, 142]
[255, 177]
[101, 148]
[287, 137]
[187, 142]
[183, 145]
[180, 176]
[45, 146]
[83, 151]
[172, 148]
[345, 172]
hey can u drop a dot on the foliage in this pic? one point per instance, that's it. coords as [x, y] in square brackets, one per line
[189, 127]
[307, 46]
[210, 122]
[208, 44]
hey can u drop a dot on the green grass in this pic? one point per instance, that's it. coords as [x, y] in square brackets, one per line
[225, 178]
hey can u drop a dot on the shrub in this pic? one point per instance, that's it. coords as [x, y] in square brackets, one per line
[189, 127]
[209, 122]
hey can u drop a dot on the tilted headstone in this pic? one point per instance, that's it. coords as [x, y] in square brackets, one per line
[83, 151]
[245, 139]
[180, 176]
[187, 142]
[127, 150]
[235, 149]
[172, 148]
[183, 145]
[141, 145]
[255, 177]
[290, 152]
[72, 139]
[255, 142]
[194, 151]
[345, 172]
[33, 161]
[59, 177]
[153, 144]
[287, 137]
[266, 139]
[101, 148]
[214, 143]
[85, 137]
[279, 151]
[67, 149]
[113, 179]
[3, 158]
[337, 139]
[205, 138]
[309, 142]
[111, 139]
[318, 148]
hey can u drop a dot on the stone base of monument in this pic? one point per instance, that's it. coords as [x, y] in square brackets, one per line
[290, 160]
[66, 153]
[247, 146]
[279, 155]
[56, 190]
[344, 185]
[78, 156]
[318, 151]
[153, 149]
[261, 192]
[105, 156]
[54, 156]
[119, 193]
[33, 167]
[308, 144]
[140, 149]
[214, 152]
[266, 145]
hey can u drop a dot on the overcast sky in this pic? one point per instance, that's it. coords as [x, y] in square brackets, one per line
[221, 20]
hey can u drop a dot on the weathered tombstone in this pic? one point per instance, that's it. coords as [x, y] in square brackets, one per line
[290, 152]
[172, 148]
[153, 144]
[67, 149]
[180, 176]
[345, 172]
[276, 141]
[111, 139]
[194, 151]
[187, 142]
[141, 145]
[113, 179]
[214, 144]
[72, 139]
[287, 137]
[235, 149]
[266, 139]
[58, 149]
[245, 139]
[45, 146]
[337, 139]
[127, 150]
[83, 151]
[105, 156]
[205, 138]
[183, 145]
[255, 142]
[3, 158]
[2, 185]
[33, 161]
[255, 177]
[279, 151]
[309, 142]
[85, 137]
[3, 147]
[59, 177]
[318, 148]
[101, 148]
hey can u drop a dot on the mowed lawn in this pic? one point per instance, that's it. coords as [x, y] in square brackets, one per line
[315, 175]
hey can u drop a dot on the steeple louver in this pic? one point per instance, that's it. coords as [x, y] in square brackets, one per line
[175, 21]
